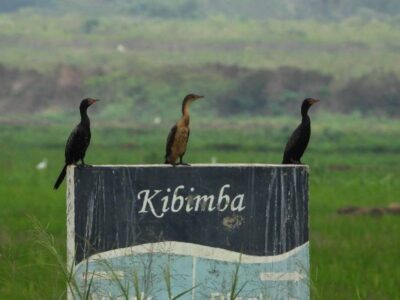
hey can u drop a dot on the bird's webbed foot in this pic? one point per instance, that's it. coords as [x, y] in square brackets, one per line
[167, 162]
[83, 165]
[182, 163]
[174, 164]
[295, 162]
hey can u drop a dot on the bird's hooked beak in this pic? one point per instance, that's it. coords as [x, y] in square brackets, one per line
[199, 97]
[313, 101]
[91, 101]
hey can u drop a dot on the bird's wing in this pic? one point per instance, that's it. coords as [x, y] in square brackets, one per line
[293, 140]
[187, 141]
[77, 144]
[170, 141]
[71, 144]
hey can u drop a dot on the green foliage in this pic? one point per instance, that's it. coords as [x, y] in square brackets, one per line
[242, 67]
[230, 91]
[235, 57]
[90, 25]
[167, 276]
[136, 285]
[180, 9]
[344, 49]
[273, 92]
[353, 161]
[235, 289]
[372, 94]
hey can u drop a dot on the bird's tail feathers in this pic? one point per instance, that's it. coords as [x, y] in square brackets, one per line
[61, 177]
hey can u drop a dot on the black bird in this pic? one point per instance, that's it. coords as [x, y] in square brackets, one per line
[299, 139]
[178, 137]
[78, 141]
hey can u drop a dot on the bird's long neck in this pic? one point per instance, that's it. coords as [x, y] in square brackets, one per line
[185, 113]
[304, 113]
[84, 117]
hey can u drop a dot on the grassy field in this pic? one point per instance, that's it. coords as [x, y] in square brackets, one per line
[353, 161]
[139, 66]
[349, 48]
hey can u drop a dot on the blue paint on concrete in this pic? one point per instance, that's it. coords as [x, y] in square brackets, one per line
[212, 278]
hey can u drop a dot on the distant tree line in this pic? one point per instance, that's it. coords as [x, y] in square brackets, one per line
[275, 91]
[230, 90]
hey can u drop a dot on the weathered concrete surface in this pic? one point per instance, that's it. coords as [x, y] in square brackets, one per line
[197, 218]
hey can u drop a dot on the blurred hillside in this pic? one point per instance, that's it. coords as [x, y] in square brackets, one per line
[257, 58]
[232, 91]
[187, 9]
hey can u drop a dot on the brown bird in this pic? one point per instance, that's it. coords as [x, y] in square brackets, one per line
[178, 137]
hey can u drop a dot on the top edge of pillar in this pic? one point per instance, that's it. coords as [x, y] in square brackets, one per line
[200, 166]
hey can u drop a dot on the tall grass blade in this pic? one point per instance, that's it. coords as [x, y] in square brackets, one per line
[136, 285]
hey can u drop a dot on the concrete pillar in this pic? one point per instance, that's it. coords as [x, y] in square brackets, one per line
[203, 226]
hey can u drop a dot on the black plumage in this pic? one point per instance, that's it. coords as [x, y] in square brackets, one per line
[78, 141]
[178, 136]
[299, 139]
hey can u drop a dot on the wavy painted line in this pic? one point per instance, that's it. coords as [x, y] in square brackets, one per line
[194, 250]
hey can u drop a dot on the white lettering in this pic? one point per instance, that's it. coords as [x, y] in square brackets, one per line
[159, 202]
[189, 201]
[223, 197]
[238, 206]
[201, 202]
[147, 200]
[164, 200]
[175, 198]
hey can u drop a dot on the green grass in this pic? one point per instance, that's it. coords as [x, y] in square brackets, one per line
[352, 160]
[348, 48]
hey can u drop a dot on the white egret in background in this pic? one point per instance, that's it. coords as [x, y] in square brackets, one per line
[121, 48]
[157, 120]
[42, 165]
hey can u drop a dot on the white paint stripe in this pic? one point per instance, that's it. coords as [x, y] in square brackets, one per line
[204, 165]
[70, 223]
[280, 276]
[179, 248]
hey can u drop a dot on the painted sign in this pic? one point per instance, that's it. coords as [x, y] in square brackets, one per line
[201, 232]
